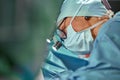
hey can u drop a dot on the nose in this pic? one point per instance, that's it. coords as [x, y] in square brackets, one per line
[65, 24]
[62, 25]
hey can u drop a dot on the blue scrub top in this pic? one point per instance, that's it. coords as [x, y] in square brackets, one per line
[103, 63]
[61, 62]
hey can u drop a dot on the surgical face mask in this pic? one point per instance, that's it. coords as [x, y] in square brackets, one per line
[79, 42]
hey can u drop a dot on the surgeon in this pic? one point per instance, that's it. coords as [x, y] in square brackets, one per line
[78, 24]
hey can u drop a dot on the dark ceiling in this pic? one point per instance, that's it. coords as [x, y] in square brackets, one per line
[115, 4]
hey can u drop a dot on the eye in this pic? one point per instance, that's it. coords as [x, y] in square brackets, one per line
[87, 17]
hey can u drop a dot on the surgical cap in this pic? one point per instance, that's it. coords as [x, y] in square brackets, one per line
[87, 8]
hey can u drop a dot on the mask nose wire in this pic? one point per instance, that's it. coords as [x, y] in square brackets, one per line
[78, 10]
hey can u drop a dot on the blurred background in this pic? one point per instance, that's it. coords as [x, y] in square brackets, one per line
[115, 4]
[24, 27]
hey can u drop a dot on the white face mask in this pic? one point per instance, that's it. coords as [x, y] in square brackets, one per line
[80, 42]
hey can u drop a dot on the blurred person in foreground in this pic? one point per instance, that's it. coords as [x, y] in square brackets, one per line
[75, 40]
[23, 33]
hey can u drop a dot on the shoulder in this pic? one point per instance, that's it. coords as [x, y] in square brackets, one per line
[112, 25]
[110, 30]
[117, 14]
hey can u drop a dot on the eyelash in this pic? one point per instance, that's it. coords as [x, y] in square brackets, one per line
[87, 17]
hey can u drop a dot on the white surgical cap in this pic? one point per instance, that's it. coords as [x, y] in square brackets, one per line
[88, 8]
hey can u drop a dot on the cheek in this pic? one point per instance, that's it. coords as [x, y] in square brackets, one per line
[92, 21]
[80, 24]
